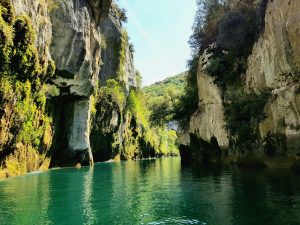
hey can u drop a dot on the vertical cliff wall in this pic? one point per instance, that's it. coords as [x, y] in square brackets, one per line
[83, 42]
[90, 47]
[26, 127]
[76, 50]
[275, 64]
[255, 121]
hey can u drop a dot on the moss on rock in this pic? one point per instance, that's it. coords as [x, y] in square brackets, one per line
[25, 127]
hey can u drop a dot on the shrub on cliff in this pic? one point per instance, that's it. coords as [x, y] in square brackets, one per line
[25, 127]
[6, 39]
[129, 133]
[232, 31]
[24, 61]
[207, 19]
[243, 112]
[18, 55]
[219, 27]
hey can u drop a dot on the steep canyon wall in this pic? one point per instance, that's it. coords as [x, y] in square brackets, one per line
[272, 139]
[83, 39]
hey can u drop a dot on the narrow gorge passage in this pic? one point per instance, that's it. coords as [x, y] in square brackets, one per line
[150, 112]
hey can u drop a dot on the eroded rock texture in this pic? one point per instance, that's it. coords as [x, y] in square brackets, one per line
[208, 121]
[275, 64]
[274, 67]
[76, 50]
[84, 39]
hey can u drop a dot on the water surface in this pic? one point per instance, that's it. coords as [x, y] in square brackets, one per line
[152, 192]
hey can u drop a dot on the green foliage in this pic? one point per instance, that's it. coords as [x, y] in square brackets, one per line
[50, 71]
[24, 61]
[243, 113]
[163, 98]
[121, 14]
[139, 79]
[186, 106]
[7, 11]
[231, 27]
[227, 32]
[136, 106]
[167, 142]
[6, 40]
[158, 89]
[208, 16]
[216, 67]
[18, 55]
[132, 136]
[233, 40]
[232, 31]
[115, 91]
[25, 127]
[28, 121]
[121, 73]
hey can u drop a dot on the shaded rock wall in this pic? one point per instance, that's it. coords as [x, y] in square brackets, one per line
[208, 121]
[273, 66]
[82, 38]
[112, 61]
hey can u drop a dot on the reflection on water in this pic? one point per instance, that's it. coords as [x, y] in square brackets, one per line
[152, 192]
[87, 209]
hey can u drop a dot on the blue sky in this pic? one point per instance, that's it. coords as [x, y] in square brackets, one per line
[159, 30]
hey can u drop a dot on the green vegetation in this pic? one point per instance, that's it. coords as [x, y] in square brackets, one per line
[236, 33]
[227, 32]
[159, 89]
[121, 73]
[164, 97]
[25, 128]
[243, 112]
[224, 33]
[121, 126]
[120, 117]
[121, 14]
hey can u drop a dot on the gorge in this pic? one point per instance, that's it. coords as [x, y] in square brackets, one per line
[70, 94]
[83, 141]
[56, 58]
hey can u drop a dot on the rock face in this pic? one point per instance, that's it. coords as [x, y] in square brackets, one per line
[75, 48]
[273, 66]
[38, 12]
[208, 121]
[83, 38]
[86, 44]
[275, 60]
[115, 37]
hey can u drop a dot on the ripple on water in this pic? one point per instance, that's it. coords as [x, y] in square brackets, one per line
[176, 221]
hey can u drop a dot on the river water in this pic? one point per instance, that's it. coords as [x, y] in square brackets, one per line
[152, 192]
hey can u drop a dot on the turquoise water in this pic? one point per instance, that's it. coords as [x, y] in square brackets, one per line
[152, 192]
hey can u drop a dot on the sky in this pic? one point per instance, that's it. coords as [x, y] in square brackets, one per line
[159, 31]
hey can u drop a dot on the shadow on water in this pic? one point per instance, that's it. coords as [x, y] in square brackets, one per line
[246, 195]
[152, 192]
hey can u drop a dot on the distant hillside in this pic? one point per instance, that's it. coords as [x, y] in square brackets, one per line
[177, 83]
[162, 98]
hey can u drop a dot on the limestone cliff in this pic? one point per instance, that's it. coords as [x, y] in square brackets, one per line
[275, 64]
[258, 120]
[76, 50]
[85, 41]
[90, 47]
[210, 113]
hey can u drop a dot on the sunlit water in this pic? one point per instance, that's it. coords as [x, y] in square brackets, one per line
[152, 192]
